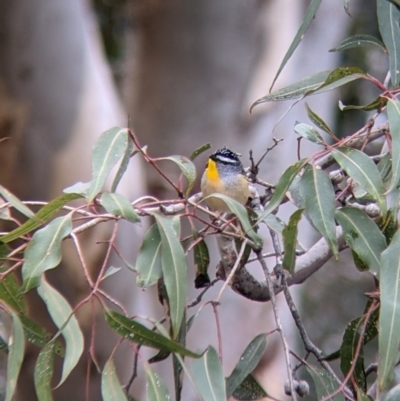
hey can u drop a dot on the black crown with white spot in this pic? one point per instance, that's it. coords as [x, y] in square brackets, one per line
[226, 156]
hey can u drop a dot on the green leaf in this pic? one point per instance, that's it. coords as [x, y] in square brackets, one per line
[241, 212]
[16, 203]
[318, 121]
[124, 164]
[309, 15]
[199, 151]
[174, 267]
[363, 236]
[44, 372]
[319, 200]
[16, 349]
[362, 170]
[385, 168]
[148, 262]
[324, 383]
[393, 394]
[107, 151]
[389, 319]
[247, 363]
[281, 188]
[80, 188]
[137, 333]
[201, 262]
[376, 104]
[388, 21]
[393, 112]
[111, 271]
[309, 133]
[11, 295]
[41, 217]
[249, 390]
[290, 241]
[359, 41]
[187, 167]
[44, 251]
[156, 390]
[110, 386]
[34, 333]
[119, 206]
[63, 317]
[208, 377]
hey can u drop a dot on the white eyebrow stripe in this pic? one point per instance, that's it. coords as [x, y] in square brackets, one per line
[226, 159]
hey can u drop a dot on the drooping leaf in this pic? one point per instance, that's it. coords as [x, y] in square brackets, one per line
[16, 349]
[389, 318]
[63, 317]
[174, 267]
[376, 104]
[156, 390]
[247, 363]
[290, 241]
[318, 121]
[324, 383]
[41, 217]
[249, 390]
[393, 394]
[137, 333]
[362, 170]
[187, 167]
[44, 372]
[363, 236]
[124, 164]
[388, 21]
[309, 133]
[111, 271]
[111, 389]
[241, 212]
[16, 203]
[393, 112]
[201, 262]
[148, 262]
[281, 188]
[44, 251]
[208, 376]
[106, 153]
[34, 333]
[119, 206]
[385, 168]
[199, 151]
[308, 17]
[319, 200]
[359, 41]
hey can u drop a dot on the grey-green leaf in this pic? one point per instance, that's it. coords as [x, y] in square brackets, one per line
[309, 133]
[107, 151]
[111, 389]
[362, 170]
[393, 394]
[388, 21]
[249, 390]
[16, 349]
[393, 112]
[363, 236]
[124, 164]
[247, 363]
[148, 262]
[63, 317]
[318, 121]
[324, 384]
[319, 201]
[119, 206]
[187, 167]
[389, 316]
[44, 372]
[156, 390]
[309, 15]
[16, 203]
[358, 41]
[208, 376]
[44, 251]
[289, 235]
[173, 265]
[281, 188]
[241, 212]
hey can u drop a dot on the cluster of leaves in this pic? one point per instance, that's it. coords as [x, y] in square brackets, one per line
[360, 206]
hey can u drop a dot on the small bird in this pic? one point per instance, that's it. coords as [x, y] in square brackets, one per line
[224, 174]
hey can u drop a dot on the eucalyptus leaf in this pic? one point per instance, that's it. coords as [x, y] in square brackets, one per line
[289, 235]
[44, 372]
[376, 104]
[16, 203]
[393, 112]
[359, 41]
[324, 383]
[156, 389]
[128, 154]
[318, 121]
[11, 295]
[393, 394]
[119, 206]
[309, 133]
[199, 151]
[111, 389]
[249, 390]
[201, 262]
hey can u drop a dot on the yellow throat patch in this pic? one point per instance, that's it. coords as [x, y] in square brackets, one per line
[212, 171]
